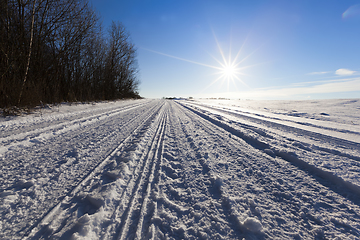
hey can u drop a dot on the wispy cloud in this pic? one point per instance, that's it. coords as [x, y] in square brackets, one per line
[344, 72]
[317, 73]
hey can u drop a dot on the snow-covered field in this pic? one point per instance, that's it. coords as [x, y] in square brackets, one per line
[162, 169]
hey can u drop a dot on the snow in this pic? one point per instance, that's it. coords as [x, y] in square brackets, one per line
[181, 169]
[252, 224]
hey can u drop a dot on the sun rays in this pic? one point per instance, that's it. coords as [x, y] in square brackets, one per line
[229, 70]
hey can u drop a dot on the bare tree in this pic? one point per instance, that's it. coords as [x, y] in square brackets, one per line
[55, 50]
[121, 64]
[30, 47]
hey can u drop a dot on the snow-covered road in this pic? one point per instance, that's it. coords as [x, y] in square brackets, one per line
[160, 169]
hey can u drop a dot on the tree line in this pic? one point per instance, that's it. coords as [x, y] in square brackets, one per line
[56, 50]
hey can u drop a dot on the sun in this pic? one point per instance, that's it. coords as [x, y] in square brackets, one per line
[230, 68]
[229, 71]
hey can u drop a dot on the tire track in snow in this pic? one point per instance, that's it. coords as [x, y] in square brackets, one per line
[318, 153]
[29, 138]
[215, 186]
[64, 140]
[143, 224]
[193, 179]
[266, 177]
[168, 195]
[32, 214]
[287, 125]
[257, 125]
[41, 227]
[57, 177]
[32, 123]
[147, 208]
[336, 183]
[109, 190]
[189, 186]
[131, 225]
[132, 207]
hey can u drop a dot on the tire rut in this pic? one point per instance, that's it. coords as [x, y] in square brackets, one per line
[131, 226]
[323, 176]
[188, 185]
[42, 227]
[258, 170]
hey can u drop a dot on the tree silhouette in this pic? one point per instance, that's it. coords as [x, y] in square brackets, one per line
[55, 50]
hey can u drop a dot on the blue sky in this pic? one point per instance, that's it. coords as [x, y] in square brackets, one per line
[276, 49]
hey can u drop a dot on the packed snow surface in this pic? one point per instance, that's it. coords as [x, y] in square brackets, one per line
[200, 169]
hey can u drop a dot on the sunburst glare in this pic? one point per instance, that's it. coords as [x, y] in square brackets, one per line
[228, 71]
